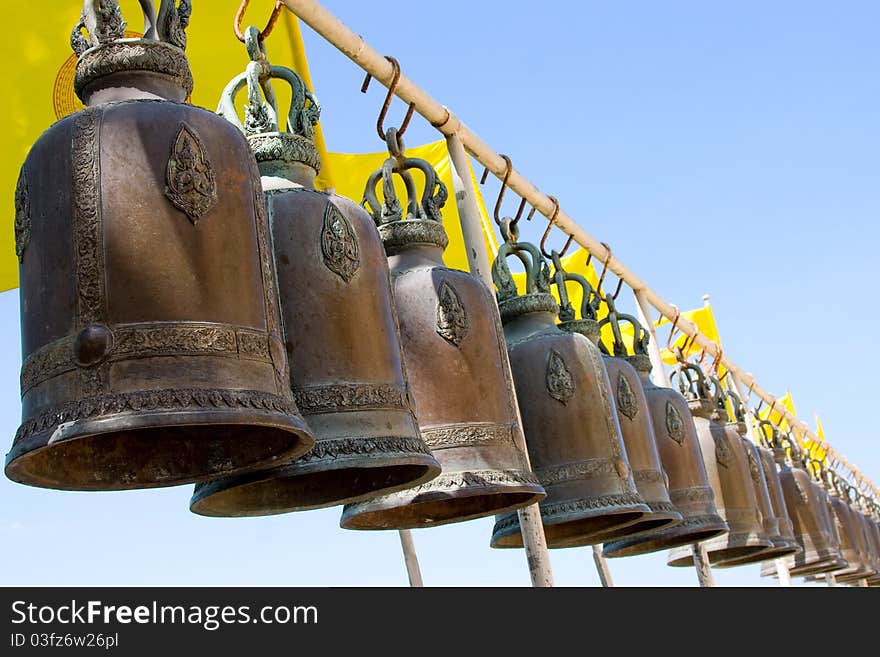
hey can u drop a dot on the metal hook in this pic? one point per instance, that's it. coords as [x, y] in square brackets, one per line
[672, 330]
[505, 178]
[604, 267]
[392, 87]
[549, 226]
[239, 17]
[716, 361]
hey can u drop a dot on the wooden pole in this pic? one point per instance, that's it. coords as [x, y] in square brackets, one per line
[410, 558]
[534, 541]
[602, 566]
[701, 563]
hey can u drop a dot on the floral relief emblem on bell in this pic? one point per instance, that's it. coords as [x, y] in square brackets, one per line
[626, 398]
[560, 383]
[452, 320]
[674, 423]
[723, 454]
[22, 216]
[190, 181]
[339, 245]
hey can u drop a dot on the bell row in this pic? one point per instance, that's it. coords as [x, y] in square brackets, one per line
[193, 311]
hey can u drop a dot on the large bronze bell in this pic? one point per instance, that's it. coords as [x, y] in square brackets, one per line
[727, 464]
[457, 364]
[340, 328]
[571, 429]
[770, 450]
[853, 544]
[151, 341]
[681, 456]
[872, 521]
[808, 509]
[635, 422]
[780, 546]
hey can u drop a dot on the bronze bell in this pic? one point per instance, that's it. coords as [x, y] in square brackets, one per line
[770, 450]
[871, 556]
[457, 364]
[682, 461]
[633, 415]
[808, 510]
[727, 464]
[872, 522]
[137, 220]
[340, 328]
[780, 546]
[853, 546]
[571, 429]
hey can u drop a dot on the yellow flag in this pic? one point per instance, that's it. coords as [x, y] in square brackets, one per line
[705, 321]
[40, 91]
[815, 449]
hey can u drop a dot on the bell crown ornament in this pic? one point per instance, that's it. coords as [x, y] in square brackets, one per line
[137, 372]
[457, 362]
[283, 145]
[340, 322]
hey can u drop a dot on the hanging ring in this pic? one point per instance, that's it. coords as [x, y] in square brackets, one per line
[239, 17]
[392, 87]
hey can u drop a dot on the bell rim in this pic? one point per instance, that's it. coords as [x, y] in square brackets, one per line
[628, 510]
[207, 495]
[122, 425]
[650, 522]
[722, 548]
[770, 554]
[690, 530]
[356, 516]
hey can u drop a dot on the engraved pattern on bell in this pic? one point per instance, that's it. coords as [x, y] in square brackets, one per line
[674, 423]
[754, 468]
[626, 398]
[339, 245]
[22, 216]
[560, 383]
[452, 319]
[190, 181]
[723, 454]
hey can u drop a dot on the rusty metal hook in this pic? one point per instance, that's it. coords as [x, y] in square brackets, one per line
[239, 18]
[504, 179]
[392, 87]
[604, 267]
[672, 330]
[713, 369]
[550, 225]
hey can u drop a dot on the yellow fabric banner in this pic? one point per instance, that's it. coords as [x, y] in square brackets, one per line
[40, 92]
[705, 321]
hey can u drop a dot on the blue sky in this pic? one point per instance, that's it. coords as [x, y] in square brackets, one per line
[727, 149]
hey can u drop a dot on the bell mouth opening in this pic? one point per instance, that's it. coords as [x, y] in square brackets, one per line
[770, 554]
[434, 508]
[743, 553]
[568, 533]
[153, 457]
[646, 524]
[817, 568]
[663, 539]
[308, 486]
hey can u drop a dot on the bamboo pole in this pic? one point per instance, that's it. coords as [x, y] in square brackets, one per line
[701, 563]
[602, 566]
[410, 558]
[355, 48]
[534, 541]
